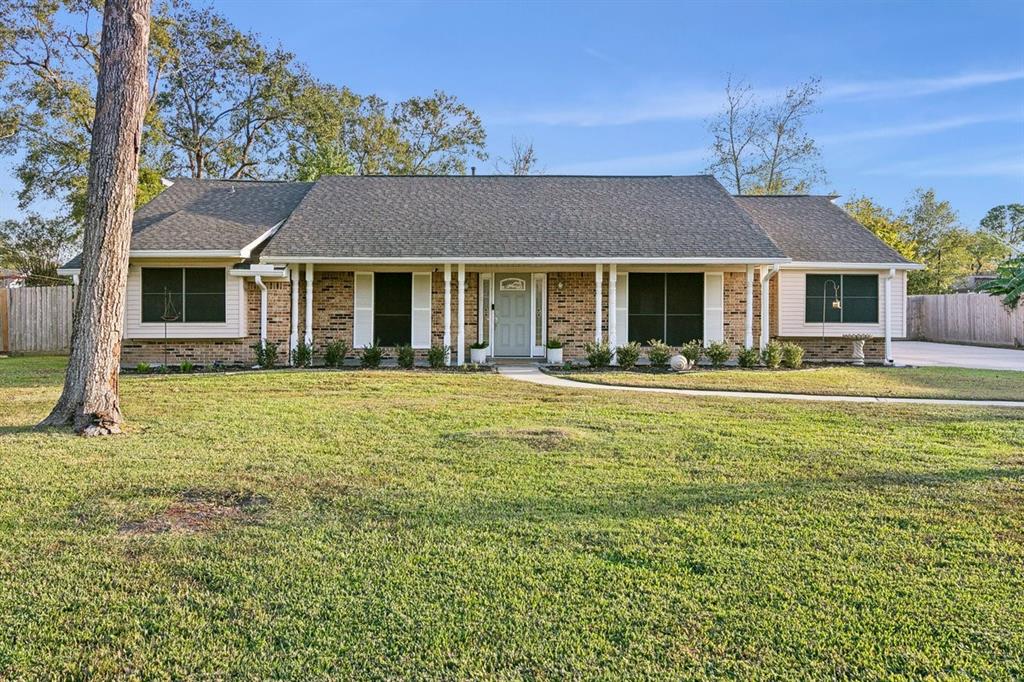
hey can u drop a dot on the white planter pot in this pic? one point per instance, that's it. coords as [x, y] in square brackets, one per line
[555, 356]
[478, 355]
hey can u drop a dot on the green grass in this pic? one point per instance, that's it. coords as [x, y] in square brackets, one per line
[467, 526]
[902, 382]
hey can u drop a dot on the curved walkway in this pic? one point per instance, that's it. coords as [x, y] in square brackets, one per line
[532, 374]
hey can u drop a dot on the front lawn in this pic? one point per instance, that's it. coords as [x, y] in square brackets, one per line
[895, 382]
[387, 525]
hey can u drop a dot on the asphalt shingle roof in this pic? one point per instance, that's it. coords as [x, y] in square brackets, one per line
[528, 217]
[814, 229]
[213, 215]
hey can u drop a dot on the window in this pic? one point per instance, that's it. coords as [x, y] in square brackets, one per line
[484, 328]
[666, 306]
[392, 308]
[858, 296]
[183, 295]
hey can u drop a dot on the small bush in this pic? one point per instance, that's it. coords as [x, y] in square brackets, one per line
[792, 356]
[628, 354]
[748, 357]
[718, 353]
[555, 343]
[406, 357]
[303, 355]
[692, 351]
[771, 355]
[599, 353]
[371, 356]
[142, 368]
[437, 356]
[266, 354]
[659, 353]
[334, 353]
[186, 367]
[479, 345]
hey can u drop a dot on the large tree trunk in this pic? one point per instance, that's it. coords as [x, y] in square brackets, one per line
[90, 399]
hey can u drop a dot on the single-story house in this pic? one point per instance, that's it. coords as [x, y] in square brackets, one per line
[509, 261]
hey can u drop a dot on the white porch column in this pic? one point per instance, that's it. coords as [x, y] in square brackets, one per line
[460, 355]
[293, 339]
[309, 304]
[766, 275]
[598, 275]
[748, 323]
[448, 311]
[888, 316]
[613, 337]
[263, 309]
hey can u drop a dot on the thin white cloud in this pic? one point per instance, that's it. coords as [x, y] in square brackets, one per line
[678, 162]
[914, 129]
[997, 166]
[917, 87]
[676, 102]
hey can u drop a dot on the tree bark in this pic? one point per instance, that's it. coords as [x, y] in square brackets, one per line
[90, 400]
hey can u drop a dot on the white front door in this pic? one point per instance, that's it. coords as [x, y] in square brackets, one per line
[512, 294]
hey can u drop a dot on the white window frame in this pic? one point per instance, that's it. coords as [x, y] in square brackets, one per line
[714, 332]
[421, 309]
[486, 283]
[539, 279]
[356, 343]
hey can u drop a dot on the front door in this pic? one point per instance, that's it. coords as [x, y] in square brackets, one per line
[512, 315]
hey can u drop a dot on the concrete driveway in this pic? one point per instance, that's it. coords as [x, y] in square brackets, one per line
[925, 354]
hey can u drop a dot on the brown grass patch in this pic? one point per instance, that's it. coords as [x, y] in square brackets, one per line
[197, 511]
[541, 438]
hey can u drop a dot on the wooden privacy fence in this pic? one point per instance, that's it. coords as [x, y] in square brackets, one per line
[36, 319]
[964, 318]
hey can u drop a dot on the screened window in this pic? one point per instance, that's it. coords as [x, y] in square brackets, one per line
[857, 294]
[183, 295]
[666, 306]
[392, 308]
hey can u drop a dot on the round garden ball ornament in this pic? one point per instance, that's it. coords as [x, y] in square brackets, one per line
[679, 363]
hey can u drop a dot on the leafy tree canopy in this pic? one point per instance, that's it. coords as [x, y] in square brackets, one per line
[35, 247]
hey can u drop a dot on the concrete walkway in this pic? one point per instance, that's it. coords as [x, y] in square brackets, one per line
[532, 374]
[924, 354]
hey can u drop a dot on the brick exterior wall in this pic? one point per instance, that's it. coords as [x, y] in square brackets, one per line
[570, 318]
[571, 310]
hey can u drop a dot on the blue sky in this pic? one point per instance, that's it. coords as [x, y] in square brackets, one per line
[916, 94]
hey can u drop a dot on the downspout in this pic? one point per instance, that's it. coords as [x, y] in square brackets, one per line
[263, 309]
[888, 316]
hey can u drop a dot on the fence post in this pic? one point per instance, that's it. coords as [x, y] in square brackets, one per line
[5, 325]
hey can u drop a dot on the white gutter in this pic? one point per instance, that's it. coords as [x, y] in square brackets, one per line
[182, 253]
[263, 309]
[248, 248]
[827, 265]
[525, 260]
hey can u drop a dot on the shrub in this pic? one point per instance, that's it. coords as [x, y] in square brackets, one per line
[771, 355]
[406, 357]
[266, 354]
[599, 353]
[334, 353]
[437, 356]
[659, 352]
[142, 368]
[748, 357]
[792, 355]
[692, 351]
[479, 345]
[371, 356]
[303, 355]
[628, 354]
[186, 367]
[718, 353]
[555, 343]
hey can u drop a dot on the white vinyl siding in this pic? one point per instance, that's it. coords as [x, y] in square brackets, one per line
[792, 306]
[714, 307]
[421, 310]
[362, 314]
[233, 326]
[622, 308]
